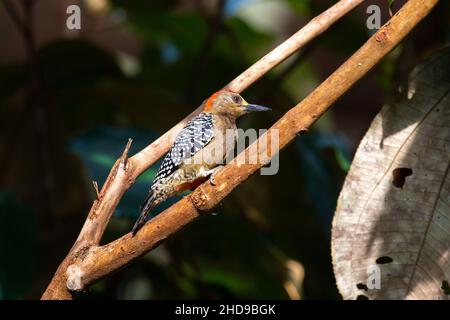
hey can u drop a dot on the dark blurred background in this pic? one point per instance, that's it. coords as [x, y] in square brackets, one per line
[69, 99]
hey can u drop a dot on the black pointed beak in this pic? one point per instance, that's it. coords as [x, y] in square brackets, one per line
[255, 107]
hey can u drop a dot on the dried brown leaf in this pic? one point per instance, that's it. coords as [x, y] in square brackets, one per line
[393, 213]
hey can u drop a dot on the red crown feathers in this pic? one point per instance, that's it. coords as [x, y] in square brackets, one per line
[210, 101]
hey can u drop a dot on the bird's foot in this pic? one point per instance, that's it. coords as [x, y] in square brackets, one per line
[212, 176]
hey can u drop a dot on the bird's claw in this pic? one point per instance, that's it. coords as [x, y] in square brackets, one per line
[212, 180]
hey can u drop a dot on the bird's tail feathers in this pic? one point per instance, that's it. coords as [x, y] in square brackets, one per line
[149, 204]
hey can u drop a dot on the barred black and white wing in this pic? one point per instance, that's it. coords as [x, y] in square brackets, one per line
[193, 137]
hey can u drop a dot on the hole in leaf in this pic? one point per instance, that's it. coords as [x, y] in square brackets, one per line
[384, 260]
[362, 286]
[362, 297]
[399, 176]
[446, 287]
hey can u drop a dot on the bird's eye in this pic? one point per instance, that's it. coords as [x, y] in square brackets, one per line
[237, 99]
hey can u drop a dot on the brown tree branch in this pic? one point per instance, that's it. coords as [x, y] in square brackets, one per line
[121, 177]
[101, 261]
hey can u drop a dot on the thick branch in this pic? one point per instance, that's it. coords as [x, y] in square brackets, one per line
[104, 260]
[120, 179]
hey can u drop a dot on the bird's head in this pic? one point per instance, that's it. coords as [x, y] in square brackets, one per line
[230, 104]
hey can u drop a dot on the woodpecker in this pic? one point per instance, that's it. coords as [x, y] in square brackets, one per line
[198, 150]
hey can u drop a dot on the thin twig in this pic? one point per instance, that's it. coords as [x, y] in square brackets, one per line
[124, 157]
[97, 192]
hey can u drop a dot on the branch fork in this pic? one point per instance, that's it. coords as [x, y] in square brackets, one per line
[84, 266]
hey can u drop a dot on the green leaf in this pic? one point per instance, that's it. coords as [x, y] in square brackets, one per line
[390, 5]
[302, 7]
